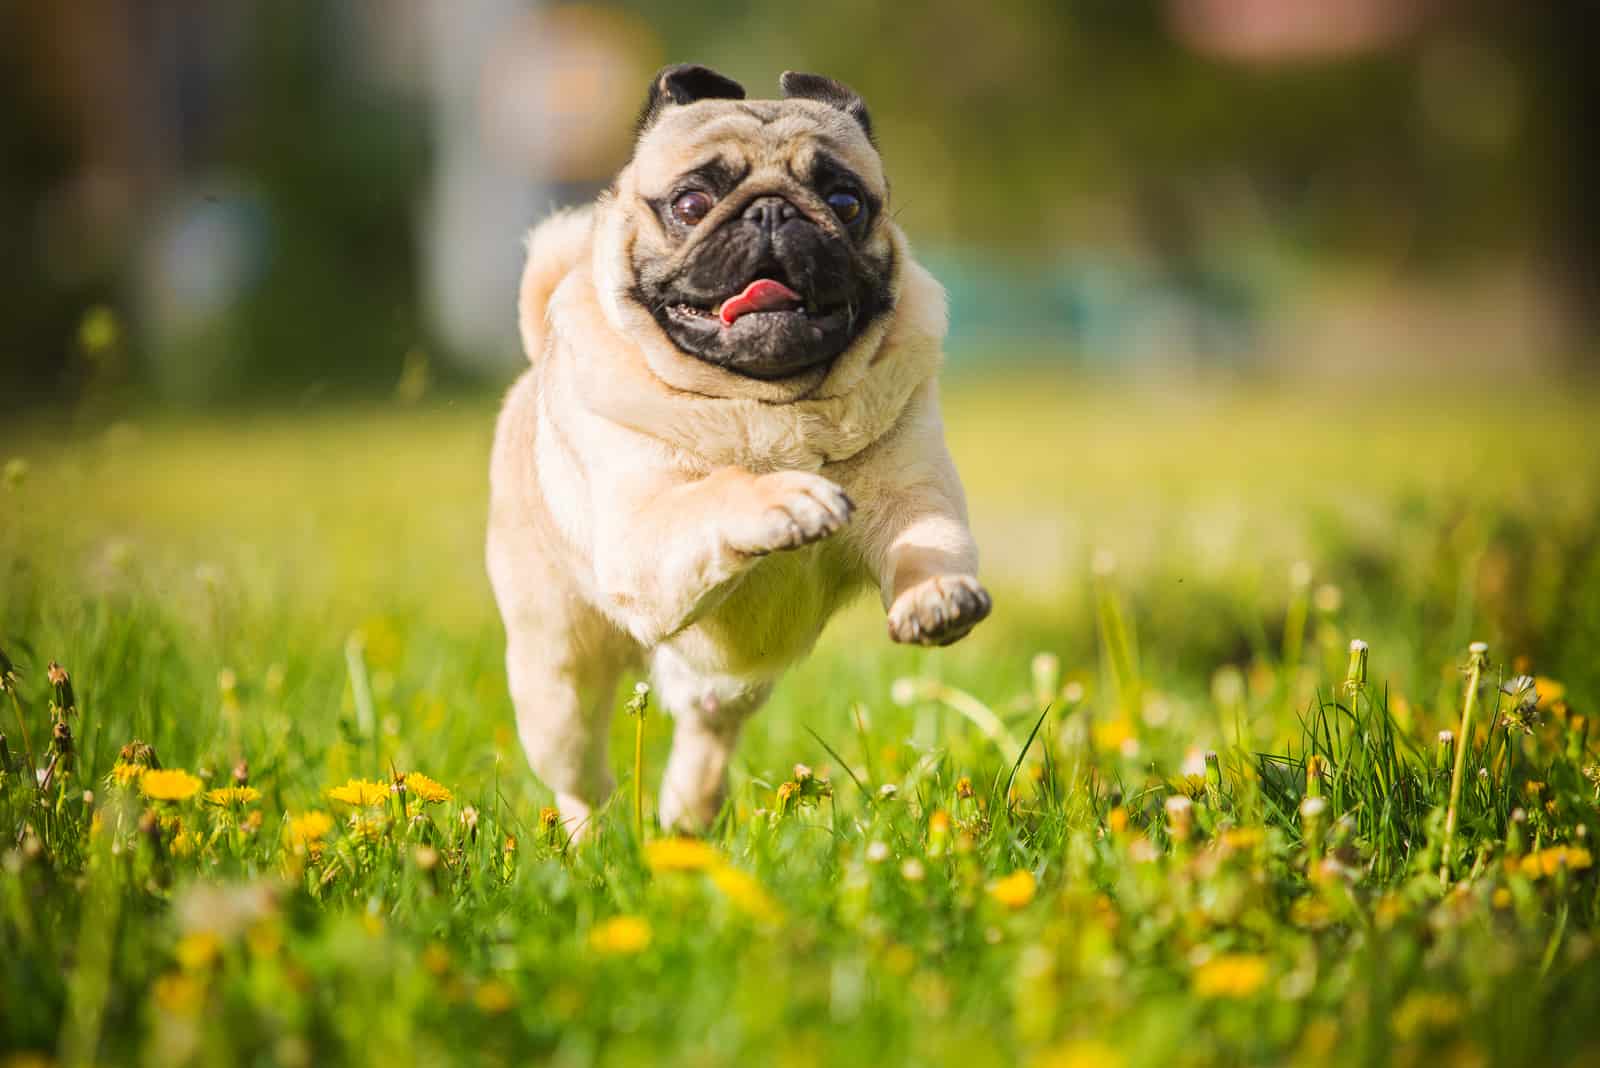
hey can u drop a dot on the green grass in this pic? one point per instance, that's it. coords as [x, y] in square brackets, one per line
[304, 593]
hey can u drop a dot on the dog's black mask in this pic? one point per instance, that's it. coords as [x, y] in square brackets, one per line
[713, 302]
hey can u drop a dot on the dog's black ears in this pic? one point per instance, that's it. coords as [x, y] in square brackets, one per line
[827, 91]
[684, 83]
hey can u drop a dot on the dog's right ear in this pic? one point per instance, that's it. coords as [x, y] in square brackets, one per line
[684, 83]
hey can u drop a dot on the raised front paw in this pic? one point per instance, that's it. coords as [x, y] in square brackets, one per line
[788, 509]
[939, 610]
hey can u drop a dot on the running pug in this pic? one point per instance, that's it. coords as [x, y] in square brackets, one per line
[730, 426]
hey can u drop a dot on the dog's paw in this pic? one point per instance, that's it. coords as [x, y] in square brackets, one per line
[939, 610]
[788, 509]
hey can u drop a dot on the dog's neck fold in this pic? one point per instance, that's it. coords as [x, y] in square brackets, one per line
[637, 378]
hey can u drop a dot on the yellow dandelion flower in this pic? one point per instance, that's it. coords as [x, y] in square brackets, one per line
[124, 774]
[1230, 975]
[746, 894]
[361, 792]
[1502, 898]
[1548, 862]
[436, 959]
[172, 784]
[1548, 689]
[1014, 890]
[196, 951]
[365, 828]
[1423, 1012]
[1080, 1053]
[427, 790]
[494, 997]
[178, 995]
[1112, 734]
[681, 854]
[185, 844]
[233, 795]
[308, 829]
[1240, 839]
[1117, 820]
[620, 936]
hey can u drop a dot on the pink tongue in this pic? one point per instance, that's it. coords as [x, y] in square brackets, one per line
[761, 295]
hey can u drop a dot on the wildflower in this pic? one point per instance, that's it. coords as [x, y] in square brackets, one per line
[1312, 808]
[1080, 1053]
[436, 959]
[1549, 690]
[427, 790]
[1117, 820]
[1520, 703]
[1230, 975]
[229, 796]
[745, 894]
[366, 829]
[620, 936]
[178, 995]
[1240, 839]
[196, 951]
[307, 830]
[175, 784]
[1549, 862]
[124, 774]
[1425, 1011]
[63, 702]
[802, 790]
[361, 792]
[911, 870]
[1014, 891]
[185, 844]
[1115, 734]
[964, 788]
[494, 997]
[681, 854]
[877, 852]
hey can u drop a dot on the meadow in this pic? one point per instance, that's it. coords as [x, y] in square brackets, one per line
[262, 802]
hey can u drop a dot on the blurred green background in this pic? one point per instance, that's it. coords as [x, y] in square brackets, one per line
[206, 203]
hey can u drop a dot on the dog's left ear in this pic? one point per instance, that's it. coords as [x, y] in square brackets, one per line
[684, 83]
[827, 91]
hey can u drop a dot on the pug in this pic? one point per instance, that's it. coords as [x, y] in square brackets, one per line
[730, 427]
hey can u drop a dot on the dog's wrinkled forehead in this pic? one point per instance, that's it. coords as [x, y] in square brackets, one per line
[768, 139]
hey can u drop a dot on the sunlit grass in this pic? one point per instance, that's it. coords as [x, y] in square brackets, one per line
[1156, 811]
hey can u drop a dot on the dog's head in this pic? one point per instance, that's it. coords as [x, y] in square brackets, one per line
[755, 229]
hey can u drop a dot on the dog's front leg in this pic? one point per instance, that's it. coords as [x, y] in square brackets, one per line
[667, 551]
[914, 536]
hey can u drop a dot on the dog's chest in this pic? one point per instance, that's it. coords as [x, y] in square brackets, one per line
[775, 613]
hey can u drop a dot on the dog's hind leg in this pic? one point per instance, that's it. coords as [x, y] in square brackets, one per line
[564, 688]
[709, 712]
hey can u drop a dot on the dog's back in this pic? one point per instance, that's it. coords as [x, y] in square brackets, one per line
[555, 247]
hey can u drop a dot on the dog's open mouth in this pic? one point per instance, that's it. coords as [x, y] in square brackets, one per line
[761, 296]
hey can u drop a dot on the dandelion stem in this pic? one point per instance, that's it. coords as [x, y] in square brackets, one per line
[22, 725]
[1479, 656]
[636, 706]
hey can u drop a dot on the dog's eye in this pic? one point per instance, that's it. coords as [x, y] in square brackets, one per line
[845, 204]
[691, 207]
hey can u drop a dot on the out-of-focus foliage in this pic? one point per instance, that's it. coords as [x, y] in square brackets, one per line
[277, 163]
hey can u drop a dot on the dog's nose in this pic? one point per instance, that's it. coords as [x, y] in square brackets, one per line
[770, 212]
